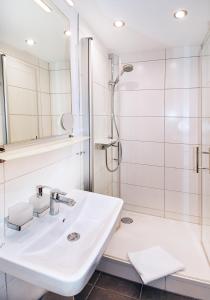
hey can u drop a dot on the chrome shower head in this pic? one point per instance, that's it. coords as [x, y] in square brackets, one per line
[127, 68]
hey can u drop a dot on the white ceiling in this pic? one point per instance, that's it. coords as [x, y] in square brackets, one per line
[24, 19]
[150, 23]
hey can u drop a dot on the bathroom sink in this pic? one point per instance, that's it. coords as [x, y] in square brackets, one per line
[60, 253]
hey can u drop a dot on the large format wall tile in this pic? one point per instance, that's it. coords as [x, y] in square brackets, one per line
[142, 103]
[142, 128]
[182, 103]
[143, 175]
[143, 196]
[182, 73]
[148, 153]
[145, 75]
[182, 130]
[160, 125]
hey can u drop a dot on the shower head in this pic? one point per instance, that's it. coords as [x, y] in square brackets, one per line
[125, 68]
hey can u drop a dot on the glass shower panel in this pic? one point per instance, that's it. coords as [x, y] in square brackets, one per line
[205, 146]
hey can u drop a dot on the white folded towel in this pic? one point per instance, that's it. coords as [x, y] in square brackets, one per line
[154, 263]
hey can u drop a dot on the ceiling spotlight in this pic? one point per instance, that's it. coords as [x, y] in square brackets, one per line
[119, 23]
[30, 42]
[70, 2]
[67, 32]
[180, 14]
[43, 5]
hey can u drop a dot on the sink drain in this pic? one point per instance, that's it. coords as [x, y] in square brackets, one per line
[74, 236]
[127, 220]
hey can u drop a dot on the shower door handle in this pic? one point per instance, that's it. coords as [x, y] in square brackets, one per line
[196, 169]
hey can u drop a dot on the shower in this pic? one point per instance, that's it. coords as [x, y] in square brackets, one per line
[116, 143]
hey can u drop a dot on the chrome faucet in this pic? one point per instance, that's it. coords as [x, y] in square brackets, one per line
[56, 197]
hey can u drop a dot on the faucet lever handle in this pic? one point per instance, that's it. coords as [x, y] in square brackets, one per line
[55, 193]
[39, 189]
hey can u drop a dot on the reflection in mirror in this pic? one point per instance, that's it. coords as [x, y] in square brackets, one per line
[35, 70]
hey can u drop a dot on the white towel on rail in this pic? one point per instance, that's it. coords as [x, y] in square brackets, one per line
[154, 263]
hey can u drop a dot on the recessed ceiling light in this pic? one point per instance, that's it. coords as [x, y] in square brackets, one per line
[70, 2]
[67, 32]
[180, 14]
[119, 23]
[30, 42]
[43, 5]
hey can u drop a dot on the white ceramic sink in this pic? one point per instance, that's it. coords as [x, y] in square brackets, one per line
[42, 255]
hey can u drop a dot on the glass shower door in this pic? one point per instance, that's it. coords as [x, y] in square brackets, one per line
[205, 145]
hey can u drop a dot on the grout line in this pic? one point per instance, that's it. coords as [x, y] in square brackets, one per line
[159, 142]
[162, 89]
[93, 286]
[154, 188]
[156, 166]
[116, 293]
[160, 59]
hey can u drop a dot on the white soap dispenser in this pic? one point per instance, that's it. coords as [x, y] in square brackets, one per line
[40, 201]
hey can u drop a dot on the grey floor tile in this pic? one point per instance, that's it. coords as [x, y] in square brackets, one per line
[103, 294]
[84, 293]
[119, 285]
[52, 296]
[150, 293]
[94, 278]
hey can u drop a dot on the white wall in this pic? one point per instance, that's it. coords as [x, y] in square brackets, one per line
[159, 123]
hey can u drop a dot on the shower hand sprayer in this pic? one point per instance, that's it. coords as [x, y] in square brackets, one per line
[117, 142]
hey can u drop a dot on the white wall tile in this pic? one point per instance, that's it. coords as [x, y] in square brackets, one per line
[60, 82]
[102, 127]
[142, 175]
[183, 203]
[182, 73]
[146, 75]
[143, 56]
[66, 177]
[205, 102]
[142, 128]
[60, 103]
[180, 52]
[206, 131]
[101, 100]
[205, 71]
[182, 103]
[180, 180]
[44, 81]
[182, 130]
[142, 103]
[148, 153]
[180, 156]
[141, 196]
[18, 129]
[45, 126]
[44, 104]
[20, 74]
[100, 65]
[22, 101]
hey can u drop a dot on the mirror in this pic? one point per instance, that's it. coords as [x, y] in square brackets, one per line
[35, 81]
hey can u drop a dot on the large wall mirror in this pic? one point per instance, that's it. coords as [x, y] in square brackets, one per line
[35, 81]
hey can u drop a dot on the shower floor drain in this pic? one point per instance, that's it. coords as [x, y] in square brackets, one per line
[74, 236]
[127, 220]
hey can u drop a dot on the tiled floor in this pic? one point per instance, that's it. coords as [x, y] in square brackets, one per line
[106, 287]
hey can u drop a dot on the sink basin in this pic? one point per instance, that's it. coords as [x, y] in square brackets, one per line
[43, 255]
